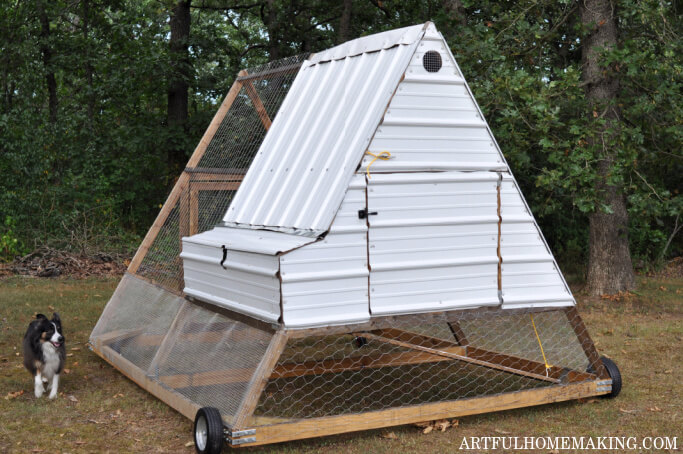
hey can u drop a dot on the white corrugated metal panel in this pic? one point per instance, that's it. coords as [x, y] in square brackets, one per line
[372, 43]
[298, 178]
[433, 121]
[433, 241]
[326, 282]
[246, 282]
[530, 275]
[257, 241]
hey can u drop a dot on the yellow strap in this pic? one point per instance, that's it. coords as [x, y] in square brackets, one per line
[384, 156]
[547, 366]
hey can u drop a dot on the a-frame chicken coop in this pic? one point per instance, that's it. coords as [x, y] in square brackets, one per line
[347, 249]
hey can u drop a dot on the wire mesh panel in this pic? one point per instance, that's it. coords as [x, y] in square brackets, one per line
[206, 193]
[210, 358]
[136, 319]
[420, 359]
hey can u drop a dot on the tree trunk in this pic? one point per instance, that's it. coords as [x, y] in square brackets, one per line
[46, 52]
[273, 26]
[88, 63]
[344, 31]
[609, 262]
[178, 82]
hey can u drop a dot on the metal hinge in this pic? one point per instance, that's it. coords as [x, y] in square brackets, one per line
[362, 214]
[232, 437]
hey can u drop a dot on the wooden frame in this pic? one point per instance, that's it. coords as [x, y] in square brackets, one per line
[561, 384]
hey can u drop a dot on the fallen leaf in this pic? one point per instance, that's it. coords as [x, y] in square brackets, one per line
[67, 371]
[115, 396]
[554, 451]
[189, 443]
[428, 429]
[75, 364]
[37, 450]
[69, 354]
[630, 412]
[504, 432]
[595, 114]
[118, 412]
[51, 308]
[662, 288]
[655, 408]
[592, 401]
[14, 395]
[668, 371]
[75, 349]
[61, 435]
[442, 425]
[72, 398]
[80, 442]
[389, 436]
[455, 423]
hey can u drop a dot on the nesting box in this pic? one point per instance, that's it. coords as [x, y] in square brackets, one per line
[347, 249]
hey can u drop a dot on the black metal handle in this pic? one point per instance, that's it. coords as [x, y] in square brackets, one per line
[362, 214]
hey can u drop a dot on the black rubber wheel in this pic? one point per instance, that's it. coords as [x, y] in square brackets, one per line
[208, 431]
[614, 374]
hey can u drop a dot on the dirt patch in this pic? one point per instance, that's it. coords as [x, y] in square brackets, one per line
[672, 269]
[48, 262]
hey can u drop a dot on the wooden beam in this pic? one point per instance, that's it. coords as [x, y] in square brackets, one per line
[260, 379]
[586, 342]
[258, 104]
[234, 177]
[214, 377]
[215, 185]
[184, 178]
[194, 208]
[115, 336]
[334, 366]
[268, 73]
[457, 332]
[330, 425]
[440, 352]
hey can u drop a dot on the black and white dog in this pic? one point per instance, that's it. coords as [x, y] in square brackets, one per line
[44, 352]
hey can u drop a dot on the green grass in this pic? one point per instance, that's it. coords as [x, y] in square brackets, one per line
[99, 410]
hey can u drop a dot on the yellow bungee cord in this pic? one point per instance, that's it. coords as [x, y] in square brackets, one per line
[547, 366]
[384, 156]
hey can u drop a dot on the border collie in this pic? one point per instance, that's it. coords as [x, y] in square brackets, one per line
[44, 352]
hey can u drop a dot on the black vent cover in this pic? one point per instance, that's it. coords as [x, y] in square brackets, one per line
[432, 61]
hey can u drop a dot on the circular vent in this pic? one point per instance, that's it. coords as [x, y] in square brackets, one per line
[432, 61]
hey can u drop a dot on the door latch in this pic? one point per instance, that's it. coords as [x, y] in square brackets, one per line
[362, 214]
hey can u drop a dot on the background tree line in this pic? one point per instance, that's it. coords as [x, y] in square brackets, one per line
[103, 101]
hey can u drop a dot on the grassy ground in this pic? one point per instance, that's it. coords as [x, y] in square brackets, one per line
[98, 410]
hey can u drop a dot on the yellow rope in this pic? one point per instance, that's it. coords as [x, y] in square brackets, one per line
[384, 156]
[547, 366]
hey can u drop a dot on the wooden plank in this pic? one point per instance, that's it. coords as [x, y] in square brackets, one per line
[236, 316]
[333, 366]
[216, 177]
[215, 185]
[179, 403]
[459, 357]
[457, 332]
[415, 338]
[527, 365]
[214, 377]
[114, 336]
[184, 214]
[330, 425]
[268, 73]
[586, 342]
[258, 105]
[260, 379]
[194, 208]
[166, 345]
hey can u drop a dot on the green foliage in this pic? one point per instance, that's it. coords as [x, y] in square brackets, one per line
[10, 246]
[97, 176]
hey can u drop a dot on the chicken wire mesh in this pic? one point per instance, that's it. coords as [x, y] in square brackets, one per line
[422, 359]
[210, 186]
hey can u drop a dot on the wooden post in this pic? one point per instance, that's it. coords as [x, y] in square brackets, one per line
[184, 179]
[457, 332]
[260, 379]
[258, 105]
[586, 342]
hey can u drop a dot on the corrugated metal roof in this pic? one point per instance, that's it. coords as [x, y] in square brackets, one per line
[258, 241]
[298, 178]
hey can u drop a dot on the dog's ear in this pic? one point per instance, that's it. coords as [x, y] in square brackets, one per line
[55, 317]
[39, 316]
